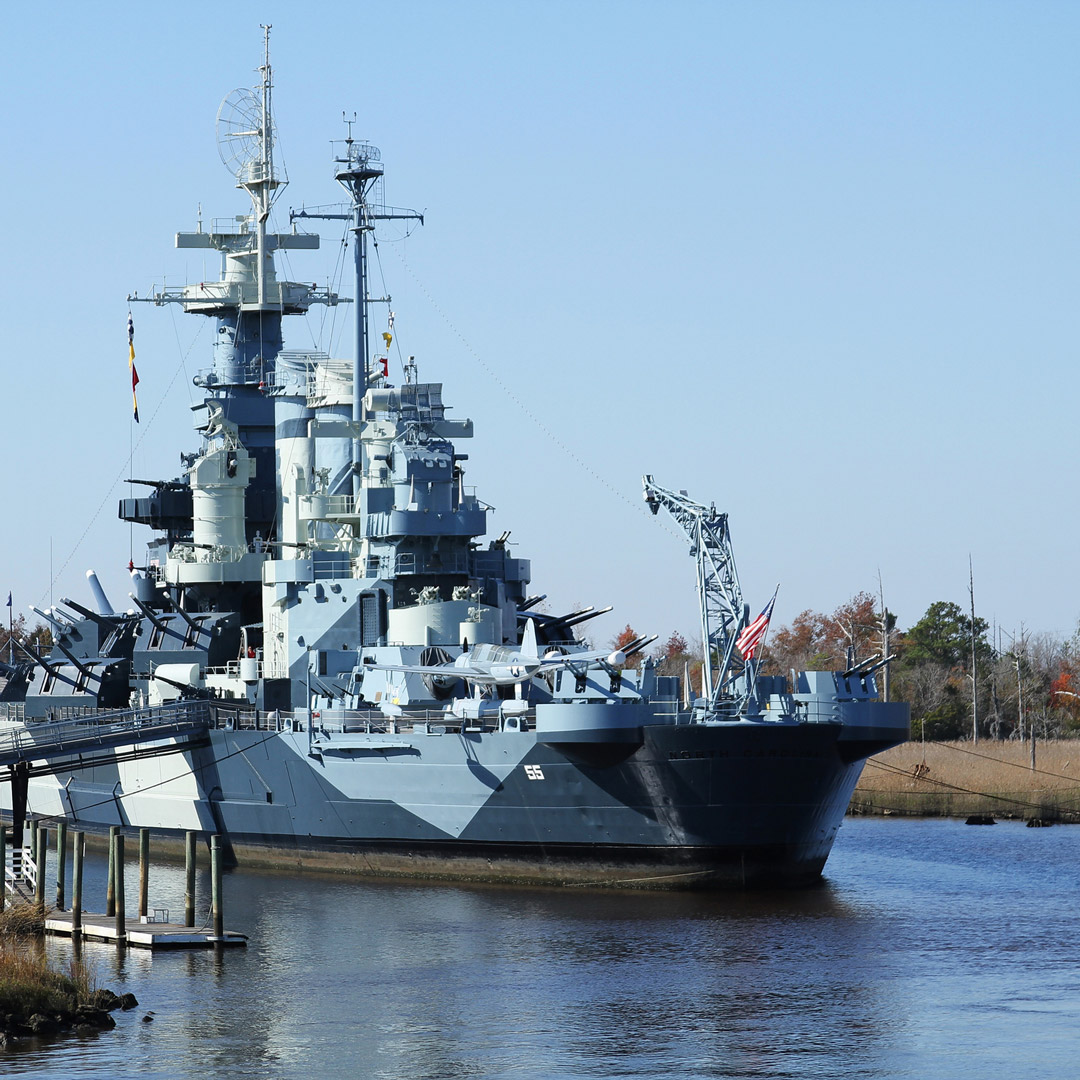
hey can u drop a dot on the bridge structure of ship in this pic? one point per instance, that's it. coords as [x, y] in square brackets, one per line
[54, 746]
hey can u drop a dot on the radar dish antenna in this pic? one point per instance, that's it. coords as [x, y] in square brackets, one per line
[240, 135]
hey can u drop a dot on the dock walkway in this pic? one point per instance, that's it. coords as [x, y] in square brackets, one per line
[40, 741]
[139, 934]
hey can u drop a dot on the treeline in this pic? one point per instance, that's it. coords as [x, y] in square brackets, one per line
[1021, 683]
[38, 637]
[1024, 683]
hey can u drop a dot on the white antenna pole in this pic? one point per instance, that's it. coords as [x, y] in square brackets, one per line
[974, 659]
[262, 204]
[884, 635]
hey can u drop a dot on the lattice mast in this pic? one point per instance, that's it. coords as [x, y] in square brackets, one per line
[720, 599]
[359, 171]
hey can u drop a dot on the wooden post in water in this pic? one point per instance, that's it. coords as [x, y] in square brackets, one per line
[42, 851]
[110, 884]
[20, 778]
[144, 871]
[189, 887]
[32, 850]
[76, 885]
[61, 861]
[215, 874]
[118, 891]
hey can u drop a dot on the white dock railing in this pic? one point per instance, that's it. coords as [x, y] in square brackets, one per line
[20, 870]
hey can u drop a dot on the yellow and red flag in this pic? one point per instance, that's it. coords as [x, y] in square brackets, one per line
[131, 365]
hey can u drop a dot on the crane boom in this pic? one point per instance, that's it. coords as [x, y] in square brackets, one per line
[720, 599]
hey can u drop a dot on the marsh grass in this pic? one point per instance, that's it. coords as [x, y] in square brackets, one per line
[958, 779]
[22, 919]
[28, 984]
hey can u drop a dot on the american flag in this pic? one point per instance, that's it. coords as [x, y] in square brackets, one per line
[750, 638]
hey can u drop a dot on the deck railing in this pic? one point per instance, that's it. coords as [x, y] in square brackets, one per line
[101, 729]
[20, 870]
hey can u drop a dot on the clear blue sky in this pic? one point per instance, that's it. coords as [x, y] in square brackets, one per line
[814, 261]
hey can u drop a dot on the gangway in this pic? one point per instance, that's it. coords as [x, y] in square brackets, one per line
[47, 747]
[27, 744]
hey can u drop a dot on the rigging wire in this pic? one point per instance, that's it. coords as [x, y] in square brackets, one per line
[330, 312]
[509, 392]
[1000, 761]
[895, 770]
[192, 768]
[54, 576]
[386, 293]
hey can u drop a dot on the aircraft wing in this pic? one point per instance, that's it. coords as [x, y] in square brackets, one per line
[442, 671]
[550, 663]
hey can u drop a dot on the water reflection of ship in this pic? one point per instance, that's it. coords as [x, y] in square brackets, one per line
[377, 690]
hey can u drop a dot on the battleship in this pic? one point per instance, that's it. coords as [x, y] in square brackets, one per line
[325, 661]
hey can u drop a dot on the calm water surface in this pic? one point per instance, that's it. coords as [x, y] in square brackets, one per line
[934, 950]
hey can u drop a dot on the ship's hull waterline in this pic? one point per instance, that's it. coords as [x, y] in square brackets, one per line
[695, 807]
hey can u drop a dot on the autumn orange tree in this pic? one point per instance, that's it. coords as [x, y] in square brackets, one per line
[1065, 694]
[815, 641]
[673, 655]
[622, 639]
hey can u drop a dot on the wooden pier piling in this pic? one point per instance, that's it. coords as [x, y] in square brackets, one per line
[118, 890]
[110, 886]
[79, 845]
[144, 871]
[215, 874]
[41, 858]
[61, 863]
[189, 879]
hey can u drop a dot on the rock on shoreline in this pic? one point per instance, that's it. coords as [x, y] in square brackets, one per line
[83, 1020]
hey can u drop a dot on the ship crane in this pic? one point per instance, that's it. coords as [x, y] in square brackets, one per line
[720, 599]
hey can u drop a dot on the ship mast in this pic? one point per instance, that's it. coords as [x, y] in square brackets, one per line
[358, 171]
[248, 142]
[262, 191]
[248, 302]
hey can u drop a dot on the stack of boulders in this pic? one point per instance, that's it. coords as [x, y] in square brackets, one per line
[83, 1019]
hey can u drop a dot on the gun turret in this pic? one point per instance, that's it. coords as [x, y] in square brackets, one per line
[57, 622]
[86, 613]
[868, 667]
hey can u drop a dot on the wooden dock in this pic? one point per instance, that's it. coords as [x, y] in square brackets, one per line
[148, 934]
[22, 877]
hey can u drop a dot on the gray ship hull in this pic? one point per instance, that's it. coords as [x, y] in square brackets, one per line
[677, 806]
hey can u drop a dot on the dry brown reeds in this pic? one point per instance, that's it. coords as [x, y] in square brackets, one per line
[959, 779]
[22, 919]
[28, 985]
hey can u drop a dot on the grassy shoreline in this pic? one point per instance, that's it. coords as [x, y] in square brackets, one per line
[960, 779]
[38, 1000]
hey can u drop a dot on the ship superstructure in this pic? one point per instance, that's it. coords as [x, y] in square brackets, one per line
[378, 686]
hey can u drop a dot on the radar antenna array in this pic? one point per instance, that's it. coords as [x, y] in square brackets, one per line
[239, 131]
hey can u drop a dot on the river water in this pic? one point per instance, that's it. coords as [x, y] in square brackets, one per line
[933, 950]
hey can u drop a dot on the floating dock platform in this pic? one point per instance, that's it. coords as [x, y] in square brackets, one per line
[140, 934]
